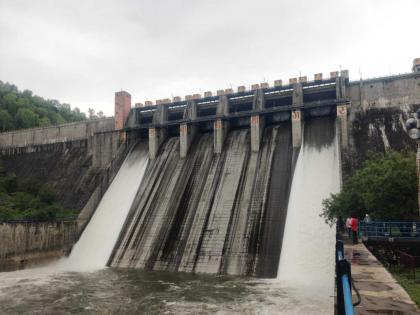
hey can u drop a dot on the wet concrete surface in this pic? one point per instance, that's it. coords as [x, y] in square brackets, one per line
[380, 292]
[207, 213]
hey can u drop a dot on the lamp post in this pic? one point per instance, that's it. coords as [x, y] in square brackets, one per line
[414, 133]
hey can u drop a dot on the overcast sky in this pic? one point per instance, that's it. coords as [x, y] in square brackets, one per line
[81, 52]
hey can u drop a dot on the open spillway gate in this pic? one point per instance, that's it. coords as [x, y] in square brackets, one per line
[215, 193]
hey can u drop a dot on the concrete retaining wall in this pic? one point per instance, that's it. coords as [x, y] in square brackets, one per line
[20, 241]
[392, 91]
[105, 146]
[106, 176]
[60, 133]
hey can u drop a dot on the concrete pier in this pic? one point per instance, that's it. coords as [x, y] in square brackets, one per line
[186, 136]
[296, 128]
[342, 120]
[157, 134]
[156, 138]
[257, 130]
[222, 108]
[297, 102]
[257, 121]
[221, 128]
[187, 131]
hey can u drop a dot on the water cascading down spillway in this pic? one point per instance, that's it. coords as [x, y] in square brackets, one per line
[95, 245]
[218, 214]
[211, 213]
[307, 258]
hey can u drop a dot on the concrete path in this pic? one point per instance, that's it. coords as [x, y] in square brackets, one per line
[380, 292]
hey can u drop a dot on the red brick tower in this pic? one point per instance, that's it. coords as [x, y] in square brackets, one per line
[122, 108]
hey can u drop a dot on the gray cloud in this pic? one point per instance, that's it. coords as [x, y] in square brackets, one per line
[81, 52]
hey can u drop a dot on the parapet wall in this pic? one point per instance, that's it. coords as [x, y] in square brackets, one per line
[59, 133]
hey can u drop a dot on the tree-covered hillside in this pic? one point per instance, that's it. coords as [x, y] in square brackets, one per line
[20, 110]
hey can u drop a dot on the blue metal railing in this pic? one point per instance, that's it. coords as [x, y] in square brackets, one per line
[390, 229]
[343, 276]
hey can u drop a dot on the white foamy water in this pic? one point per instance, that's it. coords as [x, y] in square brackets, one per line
[307, 258]
[97, 241]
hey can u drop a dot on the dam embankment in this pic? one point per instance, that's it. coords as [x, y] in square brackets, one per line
[23, 242]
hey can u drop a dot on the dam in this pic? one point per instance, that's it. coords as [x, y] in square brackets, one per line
[228, 184]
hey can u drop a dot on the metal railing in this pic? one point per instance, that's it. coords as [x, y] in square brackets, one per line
[343, 279]
[389, 230]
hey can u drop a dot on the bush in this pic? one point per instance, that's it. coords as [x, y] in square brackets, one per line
[47, 194]
[8, 183]
[29, 201]
[385, 187]
[30, 185]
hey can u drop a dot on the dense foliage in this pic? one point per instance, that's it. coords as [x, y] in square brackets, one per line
[20, 110]
[28, 200]
[385, 188]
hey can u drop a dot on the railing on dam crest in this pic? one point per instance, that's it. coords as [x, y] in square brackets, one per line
[345, 305]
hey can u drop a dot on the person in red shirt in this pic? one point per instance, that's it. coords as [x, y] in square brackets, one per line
[354, 227]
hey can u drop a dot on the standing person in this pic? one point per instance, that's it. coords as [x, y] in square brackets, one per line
[366, 222]
[354, 228]
[348, 226]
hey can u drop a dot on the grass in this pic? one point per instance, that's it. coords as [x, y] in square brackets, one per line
[409, 283]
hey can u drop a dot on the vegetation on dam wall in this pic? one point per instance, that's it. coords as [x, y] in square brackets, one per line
[65, 167]
[29, 199]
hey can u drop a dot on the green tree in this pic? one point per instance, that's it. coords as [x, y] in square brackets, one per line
[26, 118]
[6, 121]
[92, 114]
[44, 121]
[25, 110]
[386, 188]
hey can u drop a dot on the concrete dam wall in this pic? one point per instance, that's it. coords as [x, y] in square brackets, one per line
[54, 164]
[54, 134]
[21, 241]
[209, 213]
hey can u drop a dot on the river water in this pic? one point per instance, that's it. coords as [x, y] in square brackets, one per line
[304, 284]
[124, 291]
